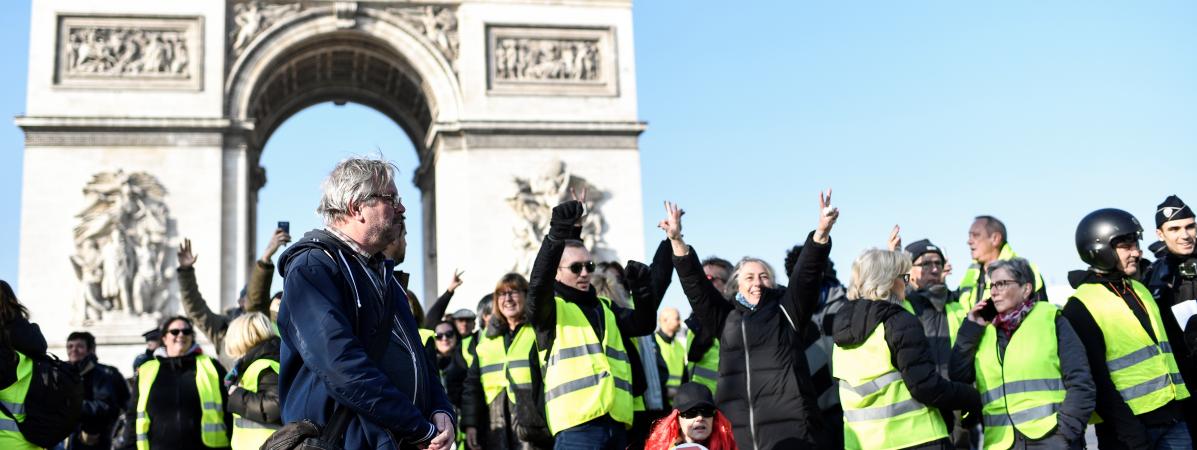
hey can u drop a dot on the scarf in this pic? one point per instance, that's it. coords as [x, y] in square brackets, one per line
[1009, 321]
[744, 301]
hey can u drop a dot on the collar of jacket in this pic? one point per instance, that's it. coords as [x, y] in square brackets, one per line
[587, 297]
[265, 349]
[497, 326]
[195, 349]
[1078, 277]
[329, 242]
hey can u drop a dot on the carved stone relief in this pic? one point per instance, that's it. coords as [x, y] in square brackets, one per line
[121, 248]
[438, 24]
[250, 18]
[530, 60]
[532, 199]
[130, 52]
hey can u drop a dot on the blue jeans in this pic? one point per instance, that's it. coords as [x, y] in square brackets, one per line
[602, 433]
[1170, 437]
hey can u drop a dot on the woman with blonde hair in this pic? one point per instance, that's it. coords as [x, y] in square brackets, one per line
[253, 396]
[889, 386]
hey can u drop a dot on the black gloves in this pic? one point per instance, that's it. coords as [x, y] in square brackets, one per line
[637, 273]
[565, 216]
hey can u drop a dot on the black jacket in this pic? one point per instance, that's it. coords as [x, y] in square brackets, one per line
[1120, 428]
[497, 422]
[1170, 288]
[261, 406]
[452, 369]
[174, 405]
[765, 387]
[105, 395]
[24, 337]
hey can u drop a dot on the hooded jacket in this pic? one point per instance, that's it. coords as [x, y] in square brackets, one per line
[909, 353]
[340, 309]
[261, 406]
[765, 386]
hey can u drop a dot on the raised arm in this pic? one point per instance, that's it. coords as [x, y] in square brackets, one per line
[209, 322]
[662, 268]
[709, 306]
[566, 223]
[257, 297]
[437, 311]
[802, 293]
[641, 320]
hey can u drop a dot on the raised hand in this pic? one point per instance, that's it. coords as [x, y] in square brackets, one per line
[456, 280]
[672, 224]
[580, 199]
[974, 314]
[636, 272]
[186, 257]
[568, 213]
[279, 239]
[895, 239]
[827, 217]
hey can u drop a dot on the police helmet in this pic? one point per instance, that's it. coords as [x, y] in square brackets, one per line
[1096, 233]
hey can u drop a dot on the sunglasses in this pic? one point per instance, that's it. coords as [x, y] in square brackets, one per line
[713, 278]
[444, 336]
[577, 267]
[178, 331]
[696, 412]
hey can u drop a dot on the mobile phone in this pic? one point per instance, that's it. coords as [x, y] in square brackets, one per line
[285, 226]
[989, 311]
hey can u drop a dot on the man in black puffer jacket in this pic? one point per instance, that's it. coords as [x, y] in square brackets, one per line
[105, 394]
[764, 386]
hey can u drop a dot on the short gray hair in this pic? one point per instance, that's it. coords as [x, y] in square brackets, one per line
[353, 182]
[874, 272]
[1019, 268]
[733, 281]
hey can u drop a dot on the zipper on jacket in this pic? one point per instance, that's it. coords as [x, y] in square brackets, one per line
[748, 383]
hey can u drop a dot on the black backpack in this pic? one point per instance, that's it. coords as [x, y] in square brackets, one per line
[53, 403]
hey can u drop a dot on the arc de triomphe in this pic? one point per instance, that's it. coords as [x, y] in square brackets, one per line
[145, 121]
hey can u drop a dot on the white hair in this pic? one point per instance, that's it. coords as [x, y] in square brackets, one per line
[874, 272]
[353, 182]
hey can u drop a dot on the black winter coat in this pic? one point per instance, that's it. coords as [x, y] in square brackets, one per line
[765, 387]
[174, 405]
[909, 353]
[261, 406]
[22, 336]
[105, 395]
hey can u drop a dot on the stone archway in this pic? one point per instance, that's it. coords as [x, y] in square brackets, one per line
[138, 107]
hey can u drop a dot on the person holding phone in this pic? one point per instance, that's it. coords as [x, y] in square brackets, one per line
[1038, 389]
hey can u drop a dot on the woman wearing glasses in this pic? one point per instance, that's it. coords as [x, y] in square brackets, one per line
[449, 360]
[1030, 364]
[694, 424]
[180, 396]
[764, 383]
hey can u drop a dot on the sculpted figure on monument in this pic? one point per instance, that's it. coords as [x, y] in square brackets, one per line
[253, 17]
[119, 51]
[527, 59]
[437, 23]
[533, 199]
[121, 243]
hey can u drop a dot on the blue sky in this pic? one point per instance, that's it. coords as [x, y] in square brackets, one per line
[923, 114]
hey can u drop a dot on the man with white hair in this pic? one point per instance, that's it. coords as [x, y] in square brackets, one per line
[351, 350]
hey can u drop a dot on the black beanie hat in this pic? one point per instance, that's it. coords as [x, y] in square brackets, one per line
[1172, 209]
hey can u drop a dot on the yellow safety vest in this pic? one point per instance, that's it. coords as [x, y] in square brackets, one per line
[879, 412]
[705, 371]
[503, 366]
[427, 336]
[674, 354]
[956, 315]
[1143, 371]
[1024, 389]
[248, 434]
[586, 378]
[13, 398]
[465, 348]
[970, 292]
[207, 383]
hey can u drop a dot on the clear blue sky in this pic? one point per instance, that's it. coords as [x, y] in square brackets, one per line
[919, 113]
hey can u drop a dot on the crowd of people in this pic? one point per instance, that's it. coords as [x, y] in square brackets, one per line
[579, 354]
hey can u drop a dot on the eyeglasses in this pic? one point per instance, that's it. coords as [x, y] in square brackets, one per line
[1003, 285]
[927, 264]
[696, 412]
[905, 278]
[713, 278]
[577, 267]
[444, 336]
[507, 294]
[178, 331]
[393, 199]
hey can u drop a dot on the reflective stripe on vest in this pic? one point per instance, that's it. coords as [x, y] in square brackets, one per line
[13, 398]
[502, 366]
[674, 355]
[970, 292]
[1144, 372]
[586, 378]
[705, 371]
[1024, 389]
[879, 412]
[207, 384]
[248, 434]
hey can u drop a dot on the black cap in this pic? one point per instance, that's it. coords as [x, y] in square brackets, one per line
[1173, 208]
[692, 395]
[921, 247]
[152, 335]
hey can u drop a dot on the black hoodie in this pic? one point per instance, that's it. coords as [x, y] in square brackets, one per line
[909, 353]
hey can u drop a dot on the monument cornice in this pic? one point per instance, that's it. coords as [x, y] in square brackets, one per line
[51, 123]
